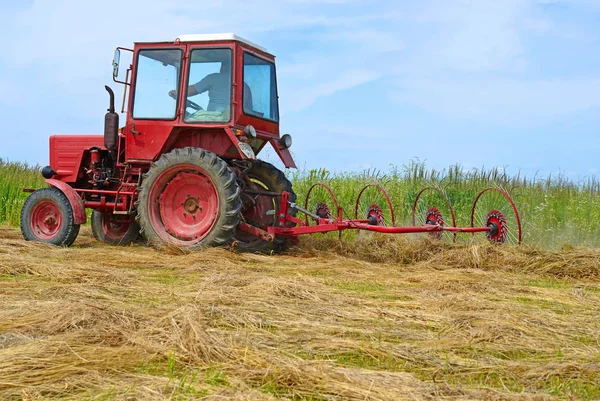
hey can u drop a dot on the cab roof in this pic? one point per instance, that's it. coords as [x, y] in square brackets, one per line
[211, 37]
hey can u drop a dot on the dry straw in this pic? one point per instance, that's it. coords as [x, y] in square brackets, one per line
[379, 318]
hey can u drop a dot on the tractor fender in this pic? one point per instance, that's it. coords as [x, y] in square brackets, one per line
[74, 199]
[284, 154]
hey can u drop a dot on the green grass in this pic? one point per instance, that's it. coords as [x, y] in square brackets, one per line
[555, 211]
[14, 177]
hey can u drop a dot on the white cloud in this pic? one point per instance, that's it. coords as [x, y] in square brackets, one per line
[505, 101]
[306, 96]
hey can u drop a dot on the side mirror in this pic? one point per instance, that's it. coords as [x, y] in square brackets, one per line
[115, 63]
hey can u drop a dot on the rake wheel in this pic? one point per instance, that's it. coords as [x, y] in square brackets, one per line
[321, 201]
[373, 204]
[432, 207]
[494, 208]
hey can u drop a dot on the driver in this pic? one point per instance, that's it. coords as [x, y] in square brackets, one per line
[218, 86]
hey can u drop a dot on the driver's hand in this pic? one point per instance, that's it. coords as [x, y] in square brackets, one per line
[173, 93]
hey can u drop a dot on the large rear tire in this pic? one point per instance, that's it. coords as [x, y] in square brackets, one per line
[189, 198]
[114, 229]
[47, 216]
[262, 210]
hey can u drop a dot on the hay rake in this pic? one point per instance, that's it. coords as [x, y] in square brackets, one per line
[493, 213]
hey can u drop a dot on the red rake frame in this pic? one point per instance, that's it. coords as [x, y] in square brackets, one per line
[323, 225]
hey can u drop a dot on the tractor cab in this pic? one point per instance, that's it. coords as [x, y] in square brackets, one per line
[186, 91]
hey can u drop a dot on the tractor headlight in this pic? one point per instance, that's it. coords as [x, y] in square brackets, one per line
[250, 131]
[285, 141]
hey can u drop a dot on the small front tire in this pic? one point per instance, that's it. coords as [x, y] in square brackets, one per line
[47, 216]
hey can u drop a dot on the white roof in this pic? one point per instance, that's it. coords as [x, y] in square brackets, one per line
[209, 37]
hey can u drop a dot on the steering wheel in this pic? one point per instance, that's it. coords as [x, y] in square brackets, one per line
[188, 103]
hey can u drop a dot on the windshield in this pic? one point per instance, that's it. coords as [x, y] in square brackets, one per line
[260, 88]
[157, 75]
[209, 86]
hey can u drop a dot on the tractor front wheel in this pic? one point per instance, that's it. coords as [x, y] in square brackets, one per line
[189, 198]
[114, 229]
[47, 216]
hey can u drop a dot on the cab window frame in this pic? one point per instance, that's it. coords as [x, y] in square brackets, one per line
[187, 86]
[135, 83]
[274, 79]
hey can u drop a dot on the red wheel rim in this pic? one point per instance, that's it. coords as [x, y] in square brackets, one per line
[114, 226]
[46, 220]
[183, 204]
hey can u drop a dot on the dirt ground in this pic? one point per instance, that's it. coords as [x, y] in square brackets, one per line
[372, 319]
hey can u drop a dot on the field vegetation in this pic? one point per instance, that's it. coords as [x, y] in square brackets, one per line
[15, 176]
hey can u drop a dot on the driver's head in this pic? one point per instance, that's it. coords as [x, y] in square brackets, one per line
[225, 66]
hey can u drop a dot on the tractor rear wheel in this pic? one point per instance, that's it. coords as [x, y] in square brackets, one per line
[189, 198]
[114, 229]
[262, 210]
[47, 216]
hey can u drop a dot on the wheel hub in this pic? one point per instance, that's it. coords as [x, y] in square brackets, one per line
[496, 221]
[375, 215]
[46, 220]
[434, 217]
[323, 211]
[191, 205]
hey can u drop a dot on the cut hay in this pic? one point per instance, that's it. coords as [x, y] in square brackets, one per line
[381, 318]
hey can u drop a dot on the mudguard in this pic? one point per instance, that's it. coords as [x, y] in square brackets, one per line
[284, 154]
[74, 199]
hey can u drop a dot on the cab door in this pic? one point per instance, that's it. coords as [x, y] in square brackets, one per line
[158, 70]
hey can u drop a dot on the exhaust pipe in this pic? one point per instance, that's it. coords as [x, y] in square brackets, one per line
[111, 123]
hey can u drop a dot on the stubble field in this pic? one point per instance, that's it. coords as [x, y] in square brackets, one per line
[378, 318]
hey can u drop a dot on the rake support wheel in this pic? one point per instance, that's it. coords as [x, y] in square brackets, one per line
[432, 207]
[374, 204]
[494, 208]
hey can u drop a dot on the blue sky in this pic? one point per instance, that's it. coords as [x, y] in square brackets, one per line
[363, 84]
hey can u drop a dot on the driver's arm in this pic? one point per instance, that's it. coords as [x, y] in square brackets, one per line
[202, 86]
[192, 91]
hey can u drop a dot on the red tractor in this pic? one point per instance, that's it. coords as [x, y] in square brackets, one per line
[183, 168]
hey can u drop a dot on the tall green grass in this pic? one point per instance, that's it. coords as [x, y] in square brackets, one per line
[555, 210]
[15, 176]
